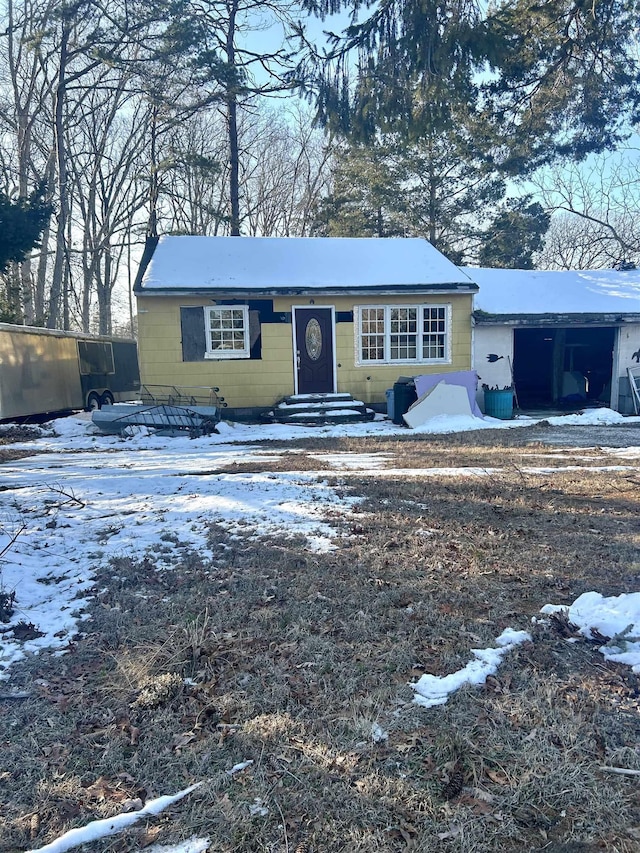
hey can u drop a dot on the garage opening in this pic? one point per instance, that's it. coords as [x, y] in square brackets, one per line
[565, 368]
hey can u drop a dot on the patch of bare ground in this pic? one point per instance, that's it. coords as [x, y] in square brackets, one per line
[534, 445]
[300, 663]
[10, 435]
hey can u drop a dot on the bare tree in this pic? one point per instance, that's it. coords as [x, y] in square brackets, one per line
[145, 120]
[27, 139]
[227, 32]
[286, 171]
[104, 145]
[575, 243]
[604, 193]
[194, 177]
[65, 97]
[283, 170]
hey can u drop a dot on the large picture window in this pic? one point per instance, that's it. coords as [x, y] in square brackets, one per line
[227, 332]
[404, 333]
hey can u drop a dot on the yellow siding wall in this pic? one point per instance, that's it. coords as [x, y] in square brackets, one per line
[245, 382]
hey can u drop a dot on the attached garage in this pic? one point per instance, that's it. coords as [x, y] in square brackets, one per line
[563, 366]
[565, 338]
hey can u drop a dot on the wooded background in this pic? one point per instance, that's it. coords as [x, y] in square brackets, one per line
[503, 134]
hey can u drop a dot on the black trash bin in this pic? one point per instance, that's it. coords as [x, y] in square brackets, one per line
[404, 394]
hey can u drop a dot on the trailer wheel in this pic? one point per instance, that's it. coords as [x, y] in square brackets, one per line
[93, 401]
[107, 399]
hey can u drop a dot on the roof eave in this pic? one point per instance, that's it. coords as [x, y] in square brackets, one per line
[248, 293]
[555, 319]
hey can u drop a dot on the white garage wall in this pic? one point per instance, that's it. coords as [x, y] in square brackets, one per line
[628, 344]
[492, 339]
[499, 340]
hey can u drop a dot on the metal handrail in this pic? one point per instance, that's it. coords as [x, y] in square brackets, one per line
[181, 395]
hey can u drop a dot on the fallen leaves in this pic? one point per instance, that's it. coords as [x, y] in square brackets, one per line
[121, 790]
[497, 776]
[456, 831]
[295, 652]
[478, 800]
[406, 833]
[178, 742]
[26, 631]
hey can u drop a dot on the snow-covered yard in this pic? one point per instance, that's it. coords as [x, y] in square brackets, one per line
[87, 497]
[83, 499]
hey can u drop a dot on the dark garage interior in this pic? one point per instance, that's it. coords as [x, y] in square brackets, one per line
[563, 367]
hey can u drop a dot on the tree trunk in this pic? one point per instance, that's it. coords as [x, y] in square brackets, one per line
[13, 293]
[152, 222]
[130, 289]
[41, 280]
[232, 125]
[433, 203]
[63, 202]
[103, 289]
[20, 292]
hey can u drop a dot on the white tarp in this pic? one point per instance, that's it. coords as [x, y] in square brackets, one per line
[442, 399]
[467, 378]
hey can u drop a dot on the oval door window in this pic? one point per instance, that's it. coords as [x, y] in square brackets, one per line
[313, 339]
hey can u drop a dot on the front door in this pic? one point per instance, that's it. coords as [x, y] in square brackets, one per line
[314, 350]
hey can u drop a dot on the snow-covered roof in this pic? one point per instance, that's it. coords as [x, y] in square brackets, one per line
[513, 292]
[295, 264]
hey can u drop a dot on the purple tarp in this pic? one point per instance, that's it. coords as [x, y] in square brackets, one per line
[466, 378]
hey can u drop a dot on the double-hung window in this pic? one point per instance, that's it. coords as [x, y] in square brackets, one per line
[404, 333]
[227, 331]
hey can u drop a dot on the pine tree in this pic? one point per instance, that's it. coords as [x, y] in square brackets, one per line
[442, 187]
[366, 199]
[514, 235]
[559, 78]
[21, 224]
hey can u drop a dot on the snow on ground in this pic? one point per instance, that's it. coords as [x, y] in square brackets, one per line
[88, 497]
[435, 689]
[72, 512]
[596, 417]
[192, 845]
[617, 617]
[112, 825]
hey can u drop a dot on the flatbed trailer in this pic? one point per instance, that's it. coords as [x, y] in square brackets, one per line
[48, 371]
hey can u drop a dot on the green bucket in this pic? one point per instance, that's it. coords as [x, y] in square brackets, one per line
[499, 403]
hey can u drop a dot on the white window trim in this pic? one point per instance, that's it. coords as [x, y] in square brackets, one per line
[221, 354]
[360, 362]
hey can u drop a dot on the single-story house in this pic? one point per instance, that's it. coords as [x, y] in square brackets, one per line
[565, 337]
[262, 318]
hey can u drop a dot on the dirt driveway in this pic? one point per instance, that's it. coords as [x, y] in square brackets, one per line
[611, 435]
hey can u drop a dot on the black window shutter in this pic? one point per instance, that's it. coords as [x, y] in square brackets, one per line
[194, 344]
[255, 334]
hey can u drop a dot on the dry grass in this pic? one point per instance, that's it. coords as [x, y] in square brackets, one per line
[291, 659]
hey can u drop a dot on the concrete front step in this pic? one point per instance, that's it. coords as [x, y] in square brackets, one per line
[310, 399]
[314, 409]
[343, 416]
